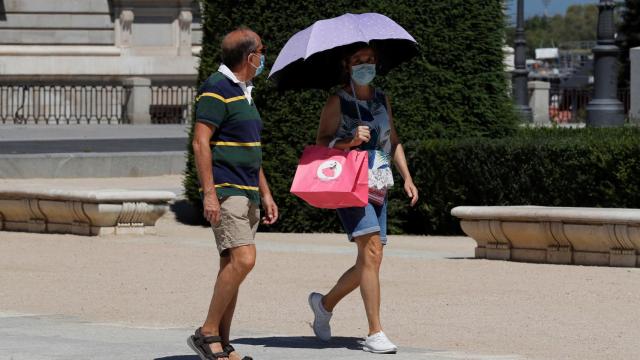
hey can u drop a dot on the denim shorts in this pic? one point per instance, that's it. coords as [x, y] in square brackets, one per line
[358, 221]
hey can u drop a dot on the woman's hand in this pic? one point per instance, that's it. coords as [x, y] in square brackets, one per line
[211, 208]
[270, 209]
[362, 134]
[412, 191]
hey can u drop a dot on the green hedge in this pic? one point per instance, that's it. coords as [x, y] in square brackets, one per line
[455, 88]
[554, 167]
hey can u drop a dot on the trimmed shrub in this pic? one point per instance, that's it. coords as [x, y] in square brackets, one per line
[552, 167]
[455, 88]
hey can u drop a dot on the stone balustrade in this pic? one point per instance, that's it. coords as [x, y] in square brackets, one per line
[99, 212]
[581, 236]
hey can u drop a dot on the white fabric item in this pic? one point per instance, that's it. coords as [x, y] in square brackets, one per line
[380, 175]
[379, 343]
[321, 326]
[246, 87]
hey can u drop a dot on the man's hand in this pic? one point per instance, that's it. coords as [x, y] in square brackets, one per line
[270, 209]
[211, 208]
[412, 191]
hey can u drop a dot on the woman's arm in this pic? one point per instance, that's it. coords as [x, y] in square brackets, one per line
[329, 123]
[400, 160]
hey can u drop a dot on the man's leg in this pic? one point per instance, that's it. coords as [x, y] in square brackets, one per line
[241, 261]
[225, 325]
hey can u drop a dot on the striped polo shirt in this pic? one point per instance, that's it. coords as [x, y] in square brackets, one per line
[235, 145]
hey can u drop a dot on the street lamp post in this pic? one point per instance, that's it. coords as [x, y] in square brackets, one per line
[605, 110]
[521, 74]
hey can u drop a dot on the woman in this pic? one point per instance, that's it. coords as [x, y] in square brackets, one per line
[359, 117]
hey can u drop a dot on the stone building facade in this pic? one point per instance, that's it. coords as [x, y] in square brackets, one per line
[110, 54]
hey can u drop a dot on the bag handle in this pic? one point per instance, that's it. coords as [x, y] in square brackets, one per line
[353, 91]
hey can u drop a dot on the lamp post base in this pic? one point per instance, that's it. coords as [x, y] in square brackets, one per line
[524, 113]
[605, 113]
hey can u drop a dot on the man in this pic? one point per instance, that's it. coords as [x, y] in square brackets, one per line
[226, 145]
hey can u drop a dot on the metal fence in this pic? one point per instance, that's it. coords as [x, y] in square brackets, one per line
[569, 105]
[171, 104]
[73, 104]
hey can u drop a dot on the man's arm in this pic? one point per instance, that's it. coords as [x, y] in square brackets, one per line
[202, 153]
[268, 204]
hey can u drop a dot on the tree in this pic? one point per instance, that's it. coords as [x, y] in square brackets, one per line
[454, 88]
[579, 23]
[629, 35]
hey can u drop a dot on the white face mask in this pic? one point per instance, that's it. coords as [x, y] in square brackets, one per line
[363, 74]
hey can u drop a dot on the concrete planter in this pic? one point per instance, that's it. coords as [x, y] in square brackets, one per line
[98, 212]
[581, 236]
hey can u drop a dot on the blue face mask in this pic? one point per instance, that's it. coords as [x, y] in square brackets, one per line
[363, 74]
[260, 68]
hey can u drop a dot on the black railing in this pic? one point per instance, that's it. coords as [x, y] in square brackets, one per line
[72, 104]
[171, 104]
[569, 105]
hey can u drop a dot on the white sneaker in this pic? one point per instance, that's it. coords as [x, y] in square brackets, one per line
[379, 343]
[321, 326]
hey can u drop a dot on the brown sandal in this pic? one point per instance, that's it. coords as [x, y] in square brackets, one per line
[200, 344]
[229, 349]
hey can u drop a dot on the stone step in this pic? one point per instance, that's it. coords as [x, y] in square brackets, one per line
[48, 6]
[93, 165]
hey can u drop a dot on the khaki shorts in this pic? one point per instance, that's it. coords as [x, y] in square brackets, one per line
[239, 220]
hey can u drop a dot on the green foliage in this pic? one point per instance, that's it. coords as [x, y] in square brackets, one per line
[553, 167]
[629, 32]
[579, 23]
[455, 88]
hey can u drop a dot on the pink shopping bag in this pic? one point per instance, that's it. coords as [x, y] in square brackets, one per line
[330, 178]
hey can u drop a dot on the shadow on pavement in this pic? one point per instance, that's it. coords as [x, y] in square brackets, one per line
[188, 214]
[179, 357]
[302, 342]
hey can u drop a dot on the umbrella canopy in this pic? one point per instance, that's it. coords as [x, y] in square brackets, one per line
[312, 58]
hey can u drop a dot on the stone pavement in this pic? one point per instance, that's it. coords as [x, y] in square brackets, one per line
[57, 337]
[139, 297]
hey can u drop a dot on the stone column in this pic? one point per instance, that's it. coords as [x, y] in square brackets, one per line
[605, 109]
[139, 100]
[539, 101]
[185, 19]
[634, 112]
[521, 74]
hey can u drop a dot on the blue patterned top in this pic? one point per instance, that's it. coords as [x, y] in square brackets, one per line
[373, 113]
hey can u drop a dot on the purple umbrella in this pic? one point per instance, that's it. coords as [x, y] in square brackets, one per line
[312, 58]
